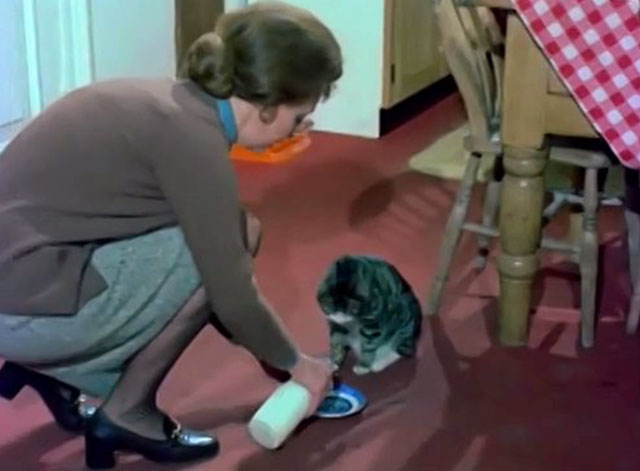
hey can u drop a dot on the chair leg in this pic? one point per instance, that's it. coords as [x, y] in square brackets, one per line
[633, 315]
[632, 220]
[559, 199]
[575, 235]
[452, 233]
[489, 212]
[589, 258]
[577, 210]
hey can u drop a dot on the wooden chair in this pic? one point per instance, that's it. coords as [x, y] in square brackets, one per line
[632, 220]
[472, 43]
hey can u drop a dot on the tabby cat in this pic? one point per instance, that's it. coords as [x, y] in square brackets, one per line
[371, 310]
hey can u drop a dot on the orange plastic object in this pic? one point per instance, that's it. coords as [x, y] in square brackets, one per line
[279, 152]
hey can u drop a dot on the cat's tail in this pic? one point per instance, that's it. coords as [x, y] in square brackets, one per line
[409, 343]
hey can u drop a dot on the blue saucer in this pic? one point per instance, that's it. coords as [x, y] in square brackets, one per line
[342, 401]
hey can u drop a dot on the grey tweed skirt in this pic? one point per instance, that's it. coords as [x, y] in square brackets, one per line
[149, 279]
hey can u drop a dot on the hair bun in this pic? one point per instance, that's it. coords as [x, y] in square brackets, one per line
[208, 64]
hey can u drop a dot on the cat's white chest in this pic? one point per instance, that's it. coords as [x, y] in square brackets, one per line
[385, 353]
[341, 318]
[352, 335]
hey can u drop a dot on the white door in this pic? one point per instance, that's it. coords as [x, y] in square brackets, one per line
[45, 51]
[14, 89]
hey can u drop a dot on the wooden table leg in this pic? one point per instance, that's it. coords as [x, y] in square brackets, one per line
[520, 222]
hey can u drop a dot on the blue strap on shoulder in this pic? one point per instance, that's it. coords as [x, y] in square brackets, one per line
[227, 119]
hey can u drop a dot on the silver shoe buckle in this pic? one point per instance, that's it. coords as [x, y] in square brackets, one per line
[176, 433]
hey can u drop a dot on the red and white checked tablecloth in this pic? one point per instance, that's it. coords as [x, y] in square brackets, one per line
[594, 45]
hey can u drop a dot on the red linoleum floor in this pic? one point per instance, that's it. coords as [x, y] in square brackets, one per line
[464, 404]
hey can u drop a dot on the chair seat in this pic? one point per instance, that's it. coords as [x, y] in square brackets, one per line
[579, 157]
[583, 158]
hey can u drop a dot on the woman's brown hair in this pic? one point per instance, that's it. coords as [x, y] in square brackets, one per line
[268, 53]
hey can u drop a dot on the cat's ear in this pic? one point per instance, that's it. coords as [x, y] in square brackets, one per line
[323, 294]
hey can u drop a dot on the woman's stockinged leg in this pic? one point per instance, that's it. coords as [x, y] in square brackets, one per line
[132, 402]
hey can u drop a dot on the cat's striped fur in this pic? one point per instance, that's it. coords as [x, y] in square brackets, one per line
[371, 310]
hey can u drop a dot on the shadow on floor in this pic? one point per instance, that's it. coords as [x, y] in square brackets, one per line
[531, 406]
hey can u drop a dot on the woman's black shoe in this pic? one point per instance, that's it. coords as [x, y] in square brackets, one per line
[103, 439]
[65, 402]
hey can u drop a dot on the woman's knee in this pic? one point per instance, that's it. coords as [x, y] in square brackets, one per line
[195, 309]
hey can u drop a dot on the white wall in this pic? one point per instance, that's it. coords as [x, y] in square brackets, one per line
[14, 98]
[48, 47]
[63, 47]
[354, 108]
[133, 38]
[231, 4]
[136, 38]
[44, 53]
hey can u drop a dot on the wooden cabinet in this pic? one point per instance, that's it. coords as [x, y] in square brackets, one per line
[412, 57]
[194, 18]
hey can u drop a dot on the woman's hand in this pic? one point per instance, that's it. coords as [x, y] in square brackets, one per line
[303, 126]
[315, 374]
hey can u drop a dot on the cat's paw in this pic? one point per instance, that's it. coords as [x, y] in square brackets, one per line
[378, 368]
[361, 370]
[383, 363]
